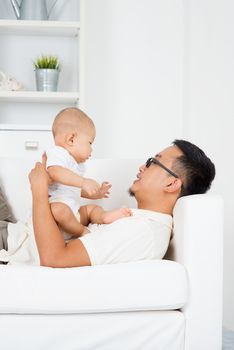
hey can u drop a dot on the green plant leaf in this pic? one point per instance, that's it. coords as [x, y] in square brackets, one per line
[46, 62]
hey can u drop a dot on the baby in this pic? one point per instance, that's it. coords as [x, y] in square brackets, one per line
[74, 134]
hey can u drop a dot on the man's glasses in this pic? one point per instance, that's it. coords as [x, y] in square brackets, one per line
[155, 161]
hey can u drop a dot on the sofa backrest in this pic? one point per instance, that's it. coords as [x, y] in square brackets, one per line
[120, 173]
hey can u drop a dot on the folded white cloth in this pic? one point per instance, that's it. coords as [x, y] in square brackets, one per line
[21, 245]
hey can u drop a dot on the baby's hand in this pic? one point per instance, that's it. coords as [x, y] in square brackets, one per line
[90, 186]
[104, 190]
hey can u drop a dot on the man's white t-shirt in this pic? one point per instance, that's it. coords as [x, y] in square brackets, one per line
[70, 195]
[143, 236]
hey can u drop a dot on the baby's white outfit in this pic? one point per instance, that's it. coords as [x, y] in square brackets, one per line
[70, 195]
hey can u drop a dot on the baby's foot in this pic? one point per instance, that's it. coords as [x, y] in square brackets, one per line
[112, 215]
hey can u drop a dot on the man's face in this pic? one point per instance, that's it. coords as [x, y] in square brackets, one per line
[152, 180]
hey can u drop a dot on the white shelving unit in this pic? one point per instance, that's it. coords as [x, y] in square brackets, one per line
[26, 116]
[39, 97]
[39, 28]
[26, 127]
[59, 28]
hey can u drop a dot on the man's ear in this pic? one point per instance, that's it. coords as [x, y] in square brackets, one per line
[70, 138]
[173, 185]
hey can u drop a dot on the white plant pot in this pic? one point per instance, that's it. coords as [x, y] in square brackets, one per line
[47, 79]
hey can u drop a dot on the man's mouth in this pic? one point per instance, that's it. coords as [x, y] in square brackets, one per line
[138, 178]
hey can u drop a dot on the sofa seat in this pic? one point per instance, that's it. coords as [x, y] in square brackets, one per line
[143, 285]
[57, 309]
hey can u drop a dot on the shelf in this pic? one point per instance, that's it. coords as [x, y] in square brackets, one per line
[38, 96]
[56, 28]
[24, 127]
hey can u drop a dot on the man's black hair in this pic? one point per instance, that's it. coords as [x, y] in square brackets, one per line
[194, 167]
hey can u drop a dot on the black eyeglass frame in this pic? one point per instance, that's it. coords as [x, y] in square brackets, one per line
[157, 162]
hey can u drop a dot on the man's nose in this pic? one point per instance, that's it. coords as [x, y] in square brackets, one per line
[142, 167]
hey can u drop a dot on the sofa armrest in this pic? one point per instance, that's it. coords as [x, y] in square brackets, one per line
[197, 243]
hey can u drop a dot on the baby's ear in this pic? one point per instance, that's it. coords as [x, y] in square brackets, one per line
[70, 138]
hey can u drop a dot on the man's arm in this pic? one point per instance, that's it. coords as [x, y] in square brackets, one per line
[53, 250]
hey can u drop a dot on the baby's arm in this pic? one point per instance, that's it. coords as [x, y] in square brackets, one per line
[68, 177]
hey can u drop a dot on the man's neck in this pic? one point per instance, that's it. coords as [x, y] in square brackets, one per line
[160, 206]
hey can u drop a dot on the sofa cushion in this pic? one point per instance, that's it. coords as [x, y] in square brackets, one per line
[143, 285]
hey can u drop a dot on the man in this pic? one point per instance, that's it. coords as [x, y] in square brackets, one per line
[179, 170]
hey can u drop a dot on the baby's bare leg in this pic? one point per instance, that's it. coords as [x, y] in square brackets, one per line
[66, 219]
[97, 215]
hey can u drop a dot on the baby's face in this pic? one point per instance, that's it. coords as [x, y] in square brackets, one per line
[82, 145]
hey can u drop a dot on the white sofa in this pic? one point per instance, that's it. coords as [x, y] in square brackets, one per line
[163, 304]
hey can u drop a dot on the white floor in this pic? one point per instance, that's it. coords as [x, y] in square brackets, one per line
[228, 340]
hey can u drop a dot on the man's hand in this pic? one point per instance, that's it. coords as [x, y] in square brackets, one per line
[39, 177]
[90, 187]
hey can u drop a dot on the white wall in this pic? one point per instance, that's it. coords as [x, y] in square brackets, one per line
[162, 69]
[133, 74]
[210, 108]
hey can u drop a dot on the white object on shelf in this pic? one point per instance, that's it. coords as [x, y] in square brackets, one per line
[39, 96]
[57, 28]
[8, 83]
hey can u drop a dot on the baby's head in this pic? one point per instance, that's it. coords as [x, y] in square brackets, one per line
[75, 131]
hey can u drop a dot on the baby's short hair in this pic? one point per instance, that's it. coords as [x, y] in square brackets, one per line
[70, 119]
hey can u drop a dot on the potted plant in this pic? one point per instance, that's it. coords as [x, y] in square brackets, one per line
[47, 70]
